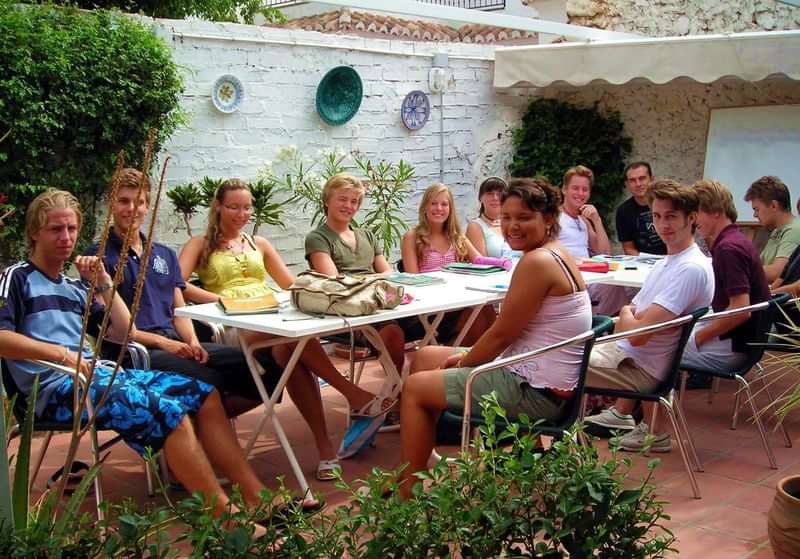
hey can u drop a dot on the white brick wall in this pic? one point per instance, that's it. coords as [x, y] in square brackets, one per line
[279, 109]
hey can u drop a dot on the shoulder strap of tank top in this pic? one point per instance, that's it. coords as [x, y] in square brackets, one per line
[566, 270]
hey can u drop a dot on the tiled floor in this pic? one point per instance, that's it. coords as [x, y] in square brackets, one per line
[729, 521]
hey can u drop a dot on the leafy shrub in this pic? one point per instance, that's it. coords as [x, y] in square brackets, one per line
[214, 10]
[555, 136]
[75, 89]
[509, 499]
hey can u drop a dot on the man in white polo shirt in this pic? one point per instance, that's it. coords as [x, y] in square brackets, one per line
[680, 283]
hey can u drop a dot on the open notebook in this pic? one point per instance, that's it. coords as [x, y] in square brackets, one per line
[404, 278]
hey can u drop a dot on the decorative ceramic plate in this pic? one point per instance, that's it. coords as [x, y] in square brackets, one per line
[416, 110]
[227, 93]
[339, 95]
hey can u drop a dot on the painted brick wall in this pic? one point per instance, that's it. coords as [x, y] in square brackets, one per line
[280, 83]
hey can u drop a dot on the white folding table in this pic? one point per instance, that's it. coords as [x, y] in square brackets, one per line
[292, 326]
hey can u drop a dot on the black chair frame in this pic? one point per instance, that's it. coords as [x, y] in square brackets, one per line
[664, 394]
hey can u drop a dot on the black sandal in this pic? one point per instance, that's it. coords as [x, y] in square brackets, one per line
[277, 518]
[74, 477]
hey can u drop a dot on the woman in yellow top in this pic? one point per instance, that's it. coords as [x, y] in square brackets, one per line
[231, 263]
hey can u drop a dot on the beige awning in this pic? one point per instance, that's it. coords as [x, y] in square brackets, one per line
[703, 58]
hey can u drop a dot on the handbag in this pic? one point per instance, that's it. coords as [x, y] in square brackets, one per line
[316, 293]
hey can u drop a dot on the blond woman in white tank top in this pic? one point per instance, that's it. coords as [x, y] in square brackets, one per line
[546, 302]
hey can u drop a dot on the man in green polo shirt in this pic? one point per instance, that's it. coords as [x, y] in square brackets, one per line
[772, 207]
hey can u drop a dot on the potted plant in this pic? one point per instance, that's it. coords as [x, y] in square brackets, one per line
[783, 521]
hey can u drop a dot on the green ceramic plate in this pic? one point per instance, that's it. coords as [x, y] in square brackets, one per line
[339, 95]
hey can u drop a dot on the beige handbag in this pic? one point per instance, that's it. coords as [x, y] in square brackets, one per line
[316, 293]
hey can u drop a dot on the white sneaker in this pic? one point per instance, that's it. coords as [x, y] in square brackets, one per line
[636, 440]
[612, 420]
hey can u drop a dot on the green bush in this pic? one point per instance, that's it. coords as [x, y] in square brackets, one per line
[508, 499]
[214, 10]
[75, 89]
[555, 136]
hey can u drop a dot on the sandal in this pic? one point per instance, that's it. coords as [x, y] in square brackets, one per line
[378, 406]
[74, 477]
[326, 470]
[278, 517]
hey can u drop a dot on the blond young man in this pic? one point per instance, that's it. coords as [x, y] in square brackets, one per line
[582, 231]
[41, 313]
[739, 281]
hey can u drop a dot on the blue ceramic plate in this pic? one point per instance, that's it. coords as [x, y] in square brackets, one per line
[339, 95]
[227, 93]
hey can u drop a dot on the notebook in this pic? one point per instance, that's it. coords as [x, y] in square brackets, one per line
[472, 269]
[404, 278]
[249, 305]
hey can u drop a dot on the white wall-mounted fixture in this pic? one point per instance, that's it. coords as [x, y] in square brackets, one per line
[437, 80]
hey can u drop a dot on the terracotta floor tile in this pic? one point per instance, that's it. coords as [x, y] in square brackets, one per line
[703, 543]
[739, 469]
[744, 524]
[737, 486]
[763, 552]
[757, 499]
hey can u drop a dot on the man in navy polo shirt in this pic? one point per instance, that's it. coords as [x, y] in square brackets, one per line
[172, 341]
[739, 281]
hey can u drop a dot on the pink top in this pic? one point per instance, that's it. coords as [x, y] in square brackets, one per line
[560, 317]
[433, 260]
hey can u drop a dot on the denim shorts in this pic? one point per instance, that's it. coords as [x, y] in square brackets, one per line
[144, 407]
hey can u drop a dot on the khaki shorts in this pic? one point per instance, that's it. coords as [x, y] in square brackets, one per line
[610, 367]
[514, 394]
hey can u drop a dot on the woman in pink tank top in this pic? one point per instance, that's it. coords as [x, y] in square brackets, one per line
[436, 241]
[546, 302]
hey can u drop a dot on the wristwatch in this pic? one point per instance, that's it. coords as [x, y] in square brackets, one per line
[102, 288]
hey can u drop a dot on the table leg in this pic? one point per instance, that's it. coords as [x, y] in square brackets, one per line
[269, 401]
[394, 376]
[430, 327]
[474, 312]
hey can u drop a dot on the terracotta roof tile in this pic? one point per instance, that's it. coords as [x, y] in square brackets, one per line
[348, 22]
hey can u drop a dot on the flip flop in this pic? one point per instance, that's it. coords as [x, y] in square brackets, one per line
[359, 436]
[376, 407]
[326, 470]
[74, 477]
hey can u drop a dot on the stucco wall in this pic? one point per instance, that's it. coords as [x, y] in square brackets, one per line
[657, 18]
[668, 123]
[280, 82]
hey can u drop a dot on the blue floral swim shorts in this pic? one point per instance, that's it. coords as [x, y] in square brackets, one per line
[144, 407]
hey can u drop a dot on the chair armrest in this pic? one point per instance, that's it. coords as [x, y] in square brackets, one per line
[675, 322]
[62, 369]
[140, 356]
[497, 363]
